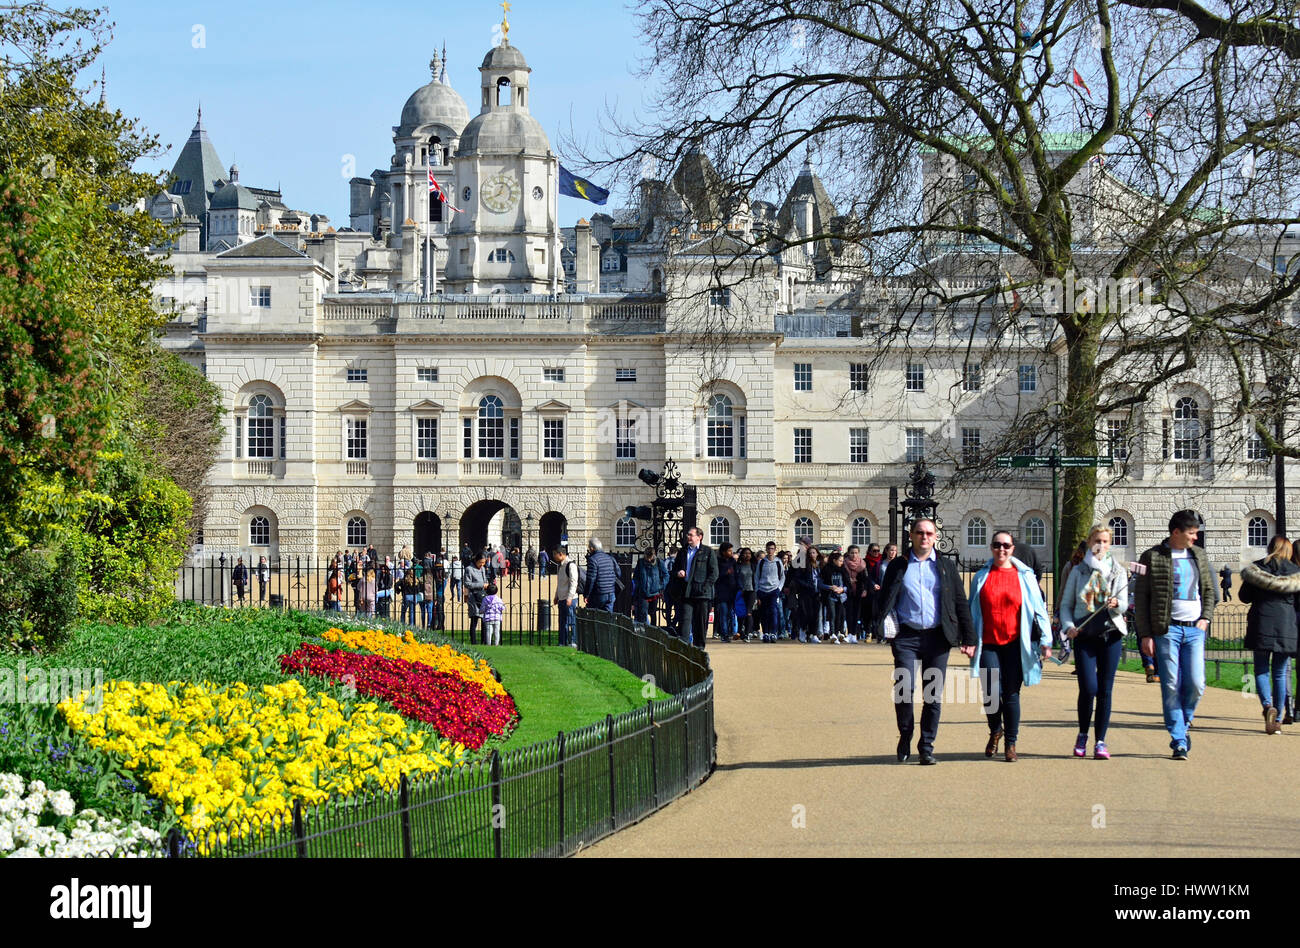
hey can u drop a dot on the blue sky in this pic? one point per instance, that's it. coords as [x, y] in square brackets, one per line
[289, 88]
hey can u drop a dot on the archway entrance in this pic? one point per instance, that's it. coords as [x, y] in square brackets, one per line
[491, 523]
[552, 529]
[428, 534]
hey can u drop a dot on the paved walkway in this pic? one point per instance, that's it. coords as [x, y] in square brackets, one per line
[806, 735]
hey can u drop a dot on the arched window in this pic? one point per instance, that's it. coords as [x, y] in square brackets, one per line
[625, 533]
[1119, 533]
[259, 532]
[1036, 531]
[491, 428]
[1257, 532]
[1187, 430]
[261, 428]
[358, 532]
[860, 532]
[977, 532]
[721, 428]
[719, 531]
[803, 530]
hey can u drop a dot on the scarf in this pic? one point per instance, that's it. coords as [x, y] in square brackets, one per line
[854, 567]
[1096, 591]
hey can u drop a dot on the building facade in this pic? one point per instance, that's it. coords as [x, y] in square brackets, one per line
[428, 377]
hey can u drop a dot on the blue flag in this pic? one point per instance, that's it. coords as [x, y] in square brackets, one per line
[581, 188]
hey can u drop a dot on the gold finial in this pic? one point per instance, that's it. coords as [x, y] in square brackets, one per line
[505, 22]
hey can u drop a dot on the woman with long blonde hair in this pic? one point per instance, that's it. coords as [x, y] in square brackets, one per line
[1093, 603]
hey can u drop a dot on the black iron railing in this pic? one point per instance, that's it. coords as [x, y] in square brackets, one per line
[549, 799]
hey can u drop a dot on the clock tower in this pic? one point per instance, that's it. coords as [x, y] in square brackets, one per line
[508, 238]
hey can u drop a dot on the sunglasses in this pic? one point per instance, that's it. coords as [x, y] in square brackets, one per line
[1002, 546]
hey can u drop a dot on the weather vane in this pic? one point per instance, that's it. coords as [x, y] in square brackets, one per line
[505, 21]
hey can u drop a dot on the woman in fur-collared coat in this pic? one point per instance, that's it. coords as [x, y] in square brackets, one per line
[1272, 587]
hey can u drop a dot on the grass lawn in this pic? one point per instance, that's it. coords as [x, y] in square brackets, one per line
[562, 689]
[1235, 677]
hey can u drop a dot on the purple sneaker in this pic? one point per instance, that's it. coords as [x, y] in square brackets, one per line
[1100, 752]
[1081, 746]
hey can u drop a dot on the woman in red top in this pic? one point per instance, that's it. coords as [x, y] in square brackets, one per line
[1000, 612]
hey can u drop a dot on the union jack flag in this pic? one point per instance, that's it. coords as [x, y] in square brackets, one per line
[436, 188]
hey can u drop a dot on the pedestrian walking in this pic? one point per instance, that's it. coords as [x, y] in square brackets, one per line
[409, 587]
[601, 585]
[769, 581]
[834, 581]
[889, 554]
[1225, 583]
[493, 609]
[856, 568]
[748, 595]
[724, 594]
[333, 590]
[475, 582]
[457, 576]
[544, 562]
[530, 561]
[263, 577]
[650, 579]
[514, 562]
[926, 593]
[1175, 602]
[566, 590]
[240, 579]
[384, 593]
[804, 572]
[694, 573]
[1013, 634]
[1272, 588]
[368, 591]
[1093, 603]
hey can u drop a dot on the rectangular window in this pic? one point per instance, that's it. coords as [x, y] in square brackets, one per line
[514, 439]
[625, 375]
[239, 437]
[426, 438]
[857, 445]
[1164, 439]
[970, 446]
[426, 375]
[857, 377]
[1117, 438]
[357, 446]
[553, 439]
[357, 375]
[553, 375]
[915, 445]
[915, 377]
[467, 427]
[284, 431]
[1029, 378]
[259, 297]
[803, 376]
[803, 446]
[972, 376]
[740, 436]
[720, 296]
[1255, 450]
[625, 440]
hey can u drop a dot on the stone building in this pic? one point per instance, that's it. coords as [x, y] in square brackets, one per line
[426, 377]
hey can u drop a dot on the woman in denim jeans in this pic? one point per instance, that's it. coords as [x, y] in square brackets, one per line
[1272, 588]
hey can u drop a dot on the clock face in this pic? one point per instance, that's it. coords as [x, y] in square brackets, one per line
[501, 193]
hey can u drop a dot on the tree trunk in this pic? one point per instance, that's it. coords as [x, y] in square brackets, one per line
[1079, 437]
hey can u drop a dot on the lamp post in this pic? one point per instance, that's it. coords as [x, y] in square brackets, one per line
[1276, 385]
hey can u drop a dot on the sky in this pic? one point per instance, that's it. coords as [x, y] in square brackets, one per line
[291, 90]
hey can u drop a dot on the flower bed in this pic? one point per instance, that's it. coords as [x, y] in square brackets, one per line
[443, 658]
[37, 822]
[458, 709]
[230, 753]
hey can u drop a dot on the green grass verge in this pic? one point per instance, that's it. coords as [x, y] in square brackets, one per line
[1234, 675]
[563, 689]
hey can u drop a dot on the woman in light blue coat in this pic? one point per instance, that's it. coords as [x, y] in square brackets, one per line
[1013, 635]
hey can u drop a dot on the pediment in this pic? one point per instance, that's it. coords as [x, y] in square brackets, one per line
[426, 405]
[553, 405]
[355, 406]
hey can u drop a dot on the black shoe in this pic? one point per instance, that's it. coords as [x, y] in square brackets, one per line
[904, 750]
[928, 759]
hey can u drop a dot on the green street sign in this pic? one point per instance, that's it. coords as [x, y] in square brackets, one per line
[1024, 460]
[1047, 460]
[1087, 462]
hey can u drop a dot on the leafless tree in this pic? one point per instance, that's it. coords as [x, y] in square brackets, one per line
[986, 154]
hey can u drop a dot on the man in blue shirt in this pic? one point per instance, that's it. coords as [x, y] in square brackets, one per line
[926, 595]
[694, 573]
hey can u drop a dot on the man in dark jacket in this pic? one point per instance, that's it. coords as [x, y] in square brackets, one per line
[602, 582]
[926, 592]
[694, 573]
[240, 578]
[1175, 601]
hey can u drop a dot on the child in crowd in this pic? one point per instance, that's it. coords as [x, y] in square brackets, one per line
[493, 608]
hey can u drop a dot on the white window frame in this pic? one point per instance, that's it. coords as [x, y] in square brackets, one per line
[351, 422]
[553, 373]
[1250, 535]
[625, 533]
[1041, 528]
[550, 450]
[625, 439]
[859, 376]
[437, 435]
[908, 456]
[914, 377]
[624, 374]
[259, 297]
[1027, 376]
[977, 526]
[353, 542]
[253, 525]
[810, 531]
[358, 376]
[855, 538]
[972, 443]
[807, 437]
[803, 377]
[972, 376]
[1124, 529]
[427, 374]
[859, 445]
[714, 539]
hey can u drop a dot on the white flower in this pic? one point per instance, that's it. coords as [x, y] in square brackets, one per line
[24, 854]
[61, 803]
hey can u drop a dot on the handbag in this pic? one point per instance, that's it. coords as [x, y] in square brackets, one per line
[891, 626]
[419, 597]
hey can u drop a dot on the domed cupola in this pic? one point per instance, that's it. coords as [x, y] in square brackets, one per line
[435, 104]
[504, 124]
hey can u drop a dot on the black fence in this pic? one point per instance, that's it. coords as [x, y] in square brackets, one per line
[549, 799]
